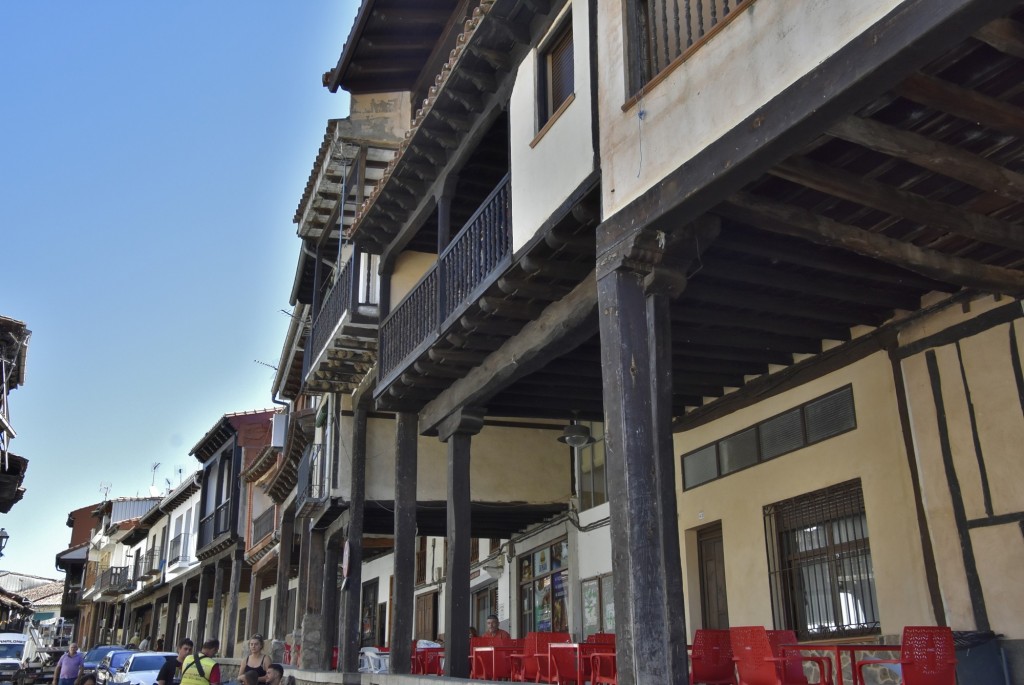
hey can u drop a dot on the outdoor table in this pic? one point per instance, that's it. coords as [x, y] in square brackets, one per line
[580, 654]
[496, 661]
[837, 650]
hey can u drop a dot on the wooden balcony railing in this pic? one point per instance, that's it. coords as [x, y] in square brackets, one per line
[214, 524]
[447, 289]
[177, 551]
[114, 580]
[311, 486]
[264, 524]
[668, 28]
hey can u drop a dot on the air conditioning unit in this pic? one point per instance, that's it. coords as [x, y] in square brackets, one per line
[279, 426]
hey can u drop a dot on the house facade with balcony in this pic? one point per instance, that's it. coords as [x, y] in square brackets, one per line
[220, 546]
[73, 561]
[763, 278]
[110, 568]
[14, 337]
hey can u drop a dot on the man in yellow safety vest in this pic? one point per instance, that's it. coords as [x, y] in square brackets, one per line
[201, 669]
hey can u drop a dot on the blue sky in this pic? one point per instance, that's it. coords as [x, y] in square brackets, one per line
[152, 155]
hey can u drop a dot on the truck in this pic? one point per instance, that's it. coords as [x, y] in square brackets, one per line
[26, 658]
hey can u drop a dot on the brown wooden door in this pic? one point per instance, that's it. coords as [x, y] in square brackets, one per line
[426, 616]
[711, 556]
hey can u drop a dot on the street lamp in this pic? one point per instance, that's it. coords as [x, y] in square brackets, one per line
[3, 540]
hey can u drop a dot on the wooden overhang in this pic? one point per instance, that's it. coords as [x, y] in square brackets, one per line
[822, 255]
[489, 519]
[453, 129]
[282, 479]
[12, 475]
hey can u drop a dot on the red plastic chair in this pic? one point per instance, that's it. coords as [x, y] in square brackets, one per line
[927, 656]
[756, 664]
[711, 659]
[601, 639]
[791, 668]
[603, 670]
[532, 664]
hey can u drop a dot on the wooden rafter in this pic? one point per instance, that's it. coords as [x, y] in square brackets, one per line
[1005, 35]
[964, 103]
[775, 217]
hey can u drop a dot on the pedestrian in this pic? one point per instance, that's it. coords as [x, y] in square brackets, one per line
[275, 674]
[144, 645]
[172, 669]
[160, 643]
[494, 628]
[69, 666]
[201, 669]
[256, 662]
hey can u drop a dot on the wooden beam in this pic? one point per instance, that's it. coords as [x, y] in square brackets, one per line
[738, 339]
[782, 325]
[1005, 35]
[404, 569]
[781, 305]
[941, 158]
[534, 290]
[721, 353]
[964, 103]
[775, 217]
[574, 271]
[563, 326]
[877, 195]
[511, 309]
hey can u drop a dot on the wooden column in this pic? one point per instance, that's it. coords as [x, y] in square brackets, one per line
[349, 661]
[405, 541]
[186, 609]
[218, 595]
[154, 620]
[235, 587]
[282, 624]
[329, 605]
[303, 588]
[173, 599]
[255, 588]
[205, 588]
[457, 430]
[315, 572]
[635, 286]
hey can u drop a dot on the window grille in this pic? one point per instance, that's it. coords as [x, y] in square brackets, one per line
[821, 576]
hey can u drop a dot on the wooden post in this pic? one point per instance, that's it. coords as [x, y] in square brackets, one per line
[349, 661]
[329, 606]
[635, 286]
[303, 524]
[457, 430]
[282, 625]
[218, 596]
[228, 649]
[315, 572]
[172, 617]
[405, 541]
[255, 588]
[186, 609]
[154, 620]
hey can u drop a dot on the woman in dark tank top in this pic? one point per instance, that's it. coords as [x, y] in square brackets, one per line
[256, 661]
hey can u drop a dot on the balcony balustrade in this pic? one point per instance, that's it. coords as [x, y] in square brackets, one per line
[71, 597]
[215, 524]
[312, 490]
[480, 249]
[114, 580]
[264, 524]
[177, 551]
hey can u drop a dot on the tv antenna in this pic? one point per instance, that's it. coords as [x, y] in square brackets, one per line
[105, 489]
[153, 468]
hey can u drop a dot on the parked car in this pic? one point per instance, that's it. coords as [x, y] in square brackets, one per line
[95, 655]
[142, 668]
[111, 663]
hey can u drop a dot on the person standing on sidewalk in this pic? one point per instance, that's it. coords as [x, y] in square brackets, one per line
[69, 666]
[201, 669]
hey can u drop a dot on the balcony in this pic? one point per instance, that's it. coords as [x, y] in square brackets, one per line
[115, 580]
[263, 525]
[214, 525]
[71, 597]
[461, 275]
[147, 565]
[342, 345]
[312, 485]
[177, 550]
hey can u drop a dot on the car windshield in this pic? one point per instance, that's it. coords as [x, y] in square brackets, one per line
[11, 651]
[117, 659]
[96, 654]
[148, 662]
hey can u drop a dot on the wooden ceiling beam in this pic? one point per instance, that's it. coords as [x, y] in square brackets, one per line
[1005, 35]
[750, 274]
[941, 158]
[781, 325]
[534, 290]
[723, 354]
[967, 104]
[743, 339]
[780, 305]
[775, 217]
[911, 206]
[512, 309]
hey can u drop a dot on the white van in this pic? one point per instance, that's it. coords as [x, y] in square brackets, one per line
[13, 648]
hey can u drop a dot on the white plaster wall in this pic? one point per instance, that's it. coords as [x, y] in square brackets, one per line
[761, 52]
[506, 465]
[409, 269]
[545, 175]
[193, 502]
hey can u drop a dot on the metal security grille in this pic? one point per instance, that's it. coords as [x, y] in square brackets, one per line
[821, 577]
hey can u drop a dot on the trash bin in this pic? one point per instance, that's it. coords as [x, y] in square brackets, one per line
[979, 659]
